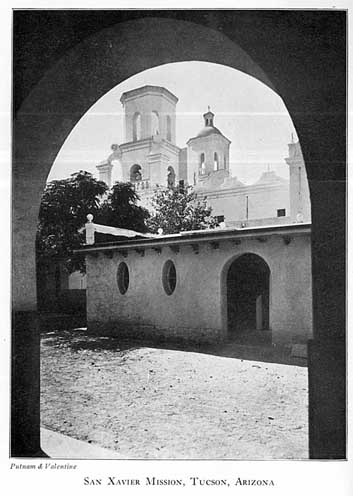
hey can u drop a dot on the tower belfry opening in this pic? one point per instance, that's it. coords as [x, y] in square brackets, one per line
[208, 116]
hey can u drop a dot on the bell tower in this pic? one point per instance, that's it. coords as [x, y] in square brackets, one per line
[208, 153]
[149, 155]
[300, 209]
[148, 111]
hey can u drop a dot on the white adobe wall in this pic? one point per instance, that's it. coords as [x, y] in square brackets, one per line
[198, 309]
[263, 202]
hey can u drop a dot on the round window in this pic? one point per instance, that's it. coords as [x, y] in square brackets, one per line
[169, 277]
[123, 277]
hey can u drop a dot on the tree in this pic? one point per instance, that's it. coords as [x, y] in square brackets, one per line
[175, 211]
[63, 211]
[120, 209]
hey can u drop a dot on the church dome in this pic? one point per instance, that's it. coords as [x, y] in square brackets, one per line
[207, 130]
[270, 177]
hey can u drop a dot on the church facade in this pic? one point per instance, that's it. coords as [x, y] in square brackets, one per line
[150, 159]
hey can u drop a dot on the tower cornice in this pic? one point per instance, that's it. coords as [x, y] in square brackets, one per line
[148, 89]
[135, 145]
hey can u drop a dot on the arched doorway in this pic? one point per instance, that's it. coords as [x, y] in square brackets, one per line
[248, 294]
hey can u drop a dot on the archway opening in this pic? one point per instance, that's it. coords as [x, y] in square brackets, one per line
[248, 295]
[169, 128]
[154, 123]
[170, 177]
[155, 155]
[136, 133]
[135, 173]
[215, 161]
[50, 141]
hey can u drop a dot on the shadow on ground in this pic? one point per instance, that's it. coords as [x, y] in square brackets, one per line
[77, 339]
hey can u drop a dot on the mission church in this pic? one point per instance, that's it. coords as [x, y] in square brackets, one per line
[150, 159]
[249, 276]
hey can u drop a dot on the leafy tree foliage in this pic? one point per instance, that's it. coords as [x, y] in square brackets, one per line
[120, 209]
[64, 206]
[66, 203]
[63, 212]
[175, 211]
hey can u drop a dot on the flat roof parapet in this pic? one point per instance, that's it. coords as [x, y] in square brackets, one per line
[201, 236]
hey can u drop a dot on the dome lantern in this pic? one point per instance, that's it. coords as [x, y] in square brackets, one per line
[208, 117]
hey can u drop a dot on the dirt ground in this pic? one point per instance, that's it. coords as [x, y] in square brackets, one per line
[152, 403]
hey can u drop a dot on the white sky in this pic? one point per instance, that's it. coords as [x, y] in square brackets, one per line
[246, 111]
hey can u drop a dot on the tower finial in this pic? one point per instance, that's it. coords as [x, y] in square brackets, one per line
[292, 137]
[208, 108]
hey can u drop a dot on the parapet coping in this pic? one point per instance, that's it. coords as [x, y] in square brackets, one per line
[202, 236]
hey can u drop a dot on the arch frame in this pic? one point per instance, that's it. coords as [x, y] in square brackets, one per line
[43, 122]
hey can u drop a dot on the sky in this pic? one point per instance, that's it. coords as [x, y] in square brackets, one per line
[247, 112]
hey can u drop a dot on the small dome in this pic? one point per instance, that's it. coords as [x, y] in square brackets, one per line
[208, 128]
[270, 177]
[207, 131]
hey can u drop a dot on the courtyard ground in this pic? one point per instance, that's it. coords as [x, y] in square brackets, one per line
[154, 403]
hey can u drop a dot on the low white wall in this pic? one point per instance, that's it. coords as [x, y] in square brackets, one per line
[198, 308]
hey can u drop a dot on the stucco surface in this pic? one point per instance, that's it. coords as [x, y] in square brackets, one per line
[242, 204]
[198, 306]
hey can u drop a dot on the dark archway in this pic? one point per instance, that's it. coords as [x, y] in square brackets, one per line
[170, 177]
[135, 173]
[248, 293]
[65, 60]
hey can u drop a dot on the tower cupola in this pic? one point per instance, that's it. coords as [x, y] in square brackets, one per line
[208, 117]
[208, 152]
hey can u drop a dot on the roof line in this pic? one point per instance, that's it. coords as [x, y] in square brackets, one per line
[200, 236]
[146, 88]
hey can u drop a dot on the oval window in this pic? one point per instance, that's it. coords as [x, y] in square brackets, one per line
[169, 277]
[123, 277]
